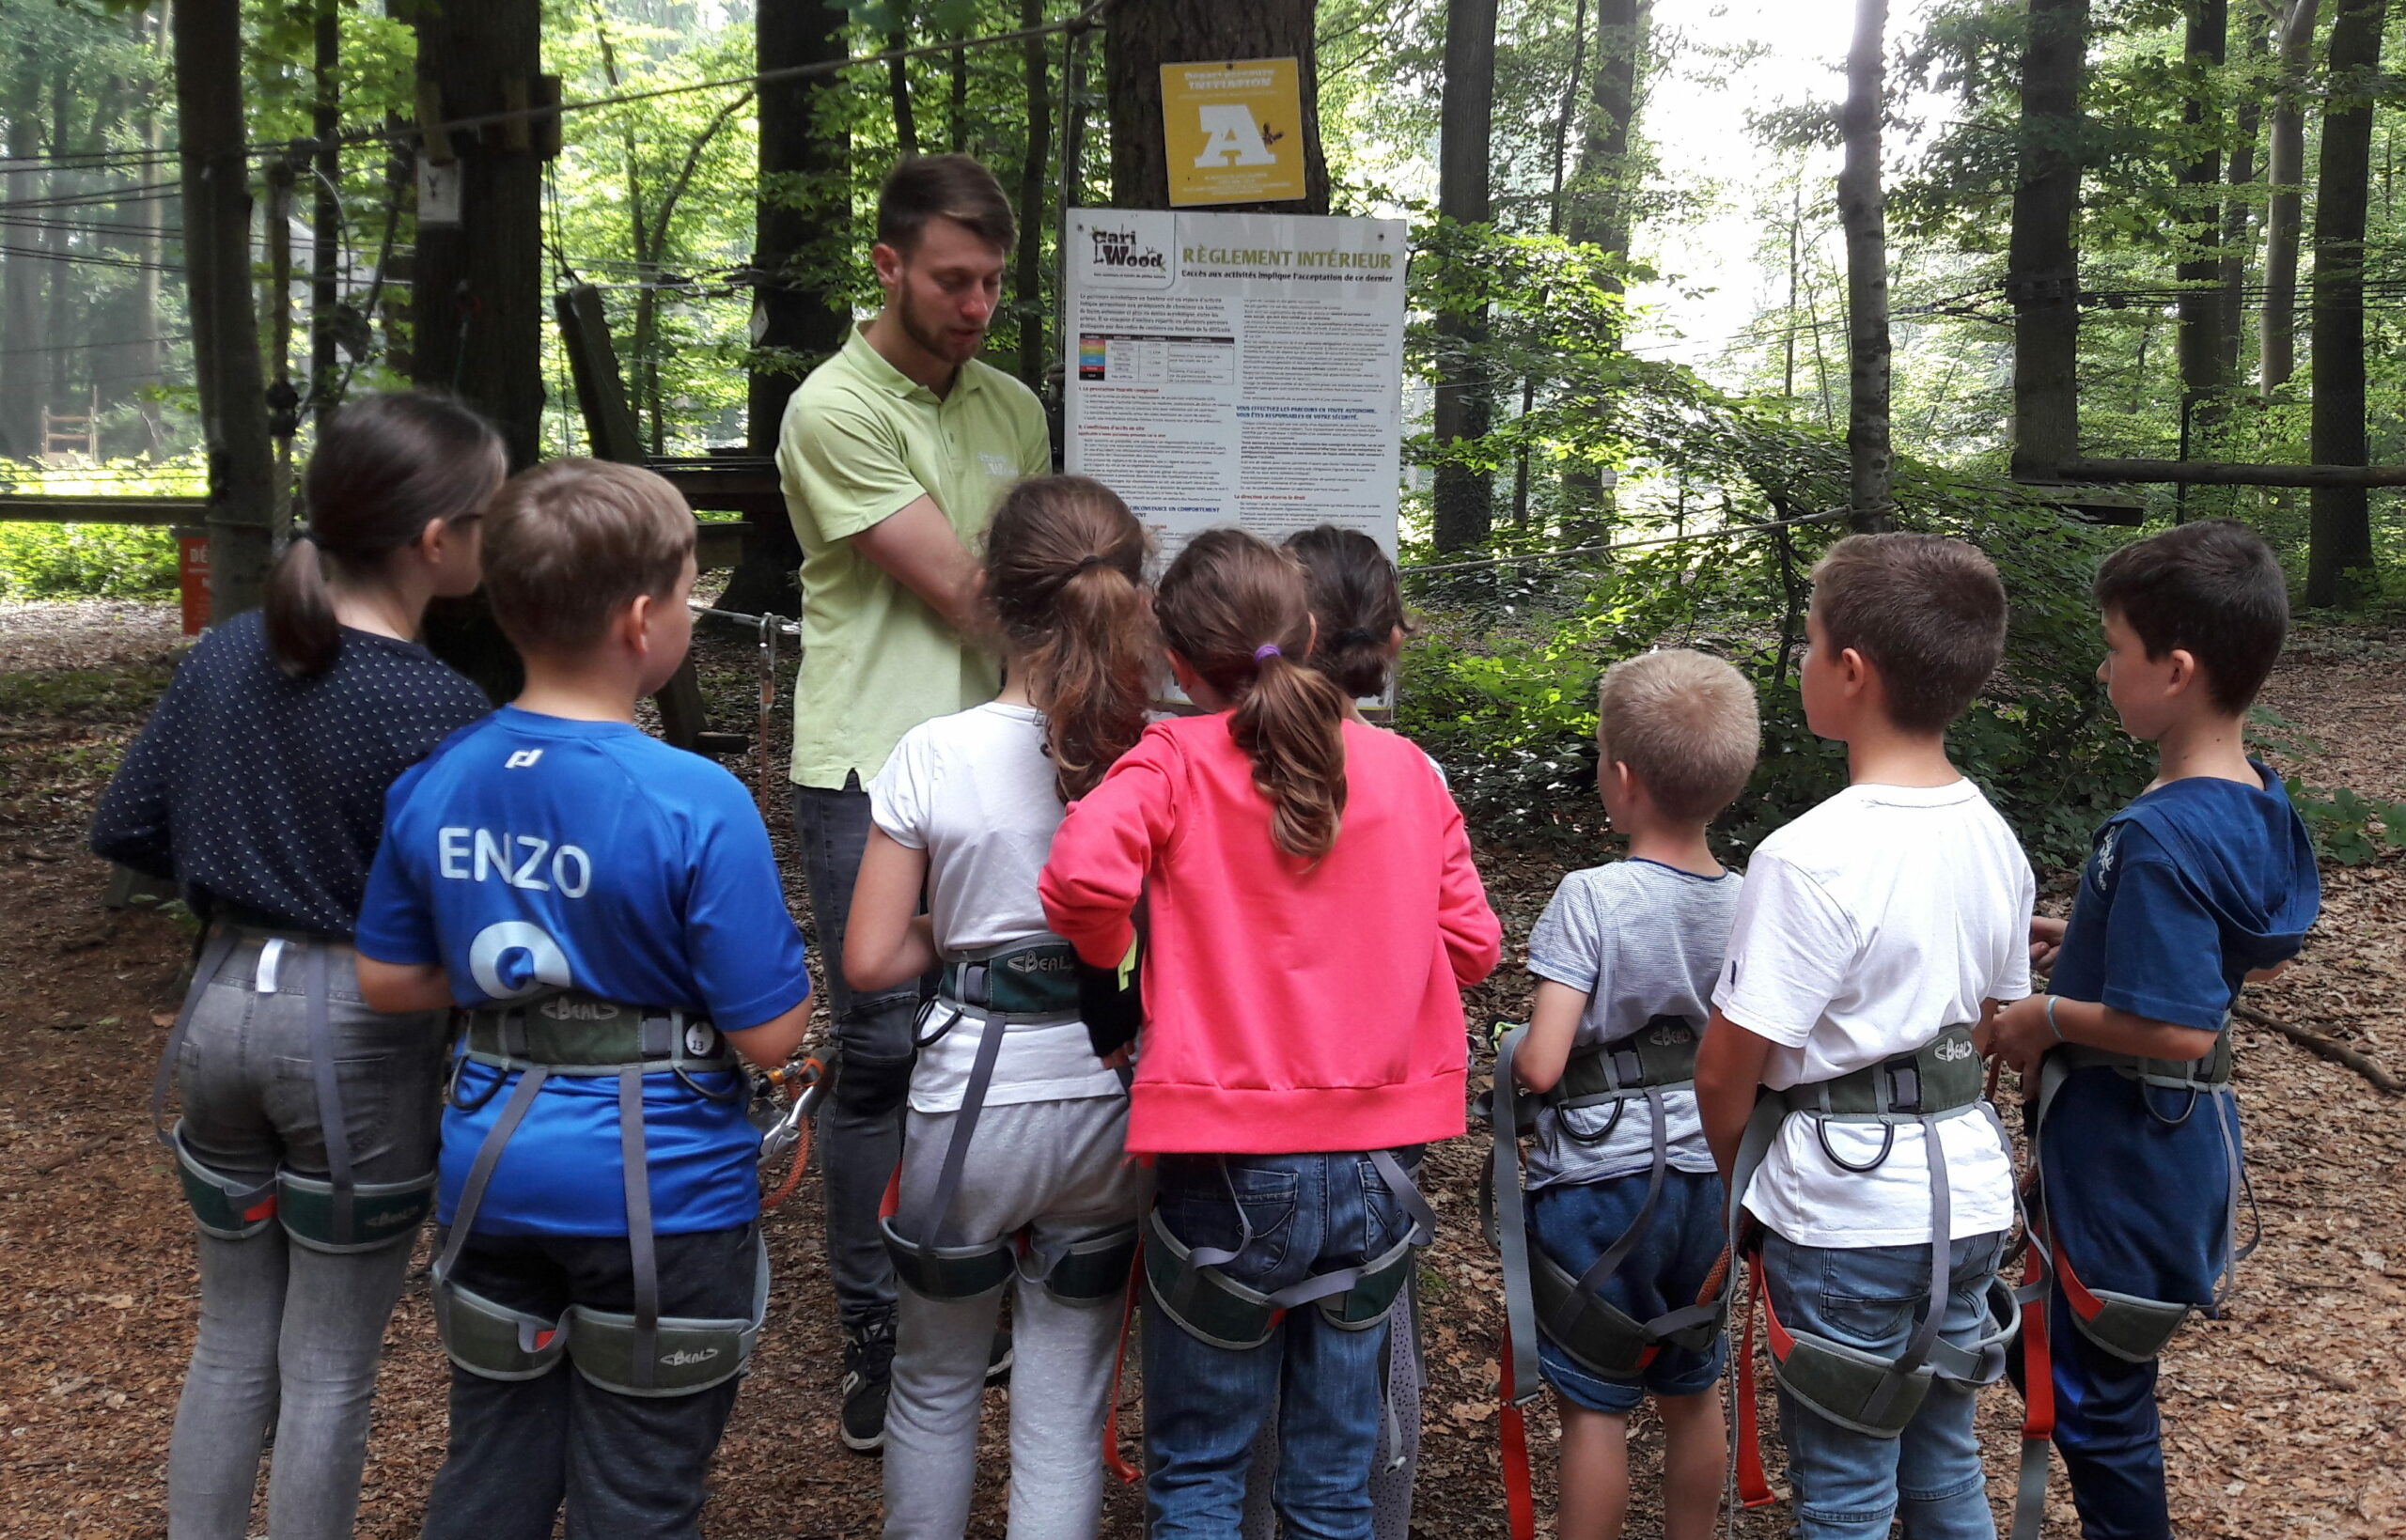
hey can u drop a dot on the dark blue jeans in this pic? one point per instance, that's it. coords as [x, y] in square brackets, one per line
[860, 1126]
[2107, 1430]
[1576, 1222]
[1204, 1404]
[1848, 1485]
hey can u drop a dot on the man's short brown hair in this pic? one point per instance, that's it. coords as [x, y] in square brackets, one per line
[1686, 725]
[955, 187]
[1926, 612]
[571, 542]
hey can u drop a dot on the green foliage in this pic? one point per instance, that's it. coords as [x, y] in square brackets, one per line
[2348, 829]
[85, 561]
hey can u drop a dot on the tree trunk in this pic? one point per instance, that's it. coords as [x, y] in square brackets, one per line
[325, 223]
[23, 376]
[1144, 35]
[1863, 216]
[210, 78]
[1029, 281]
[2042, 277]
[956, 121]
[2341, 527]
[2237, 204]
[1465, 495]
[898, 89]
[146, 352]
[1552, 226]
[799, 229]
[1598, 213]
[2284, 209]
[2207, 42]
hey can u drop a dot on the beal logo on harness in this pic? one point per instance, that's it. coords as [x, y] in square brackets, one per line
[685, 1357]
[574, 1008]
[1954, 1050]
[1043, 960]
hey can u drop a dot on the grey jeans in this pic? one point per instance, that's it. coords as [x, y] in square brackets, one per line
[289, 1335]
[860, 1126]
[1060, 1168]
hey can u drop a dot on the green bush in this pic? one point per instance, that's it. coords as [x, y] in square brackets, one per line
[86, 561]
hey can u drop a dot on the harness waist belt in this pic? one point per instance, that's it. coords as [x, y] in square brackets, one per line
[1031, 978]
[1659, 1053]
[572, 1033]
[1941, 1076]
[2172, 1074]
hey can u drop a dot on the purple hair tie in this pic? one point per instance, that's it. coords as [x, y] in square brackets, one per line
[1267, 650]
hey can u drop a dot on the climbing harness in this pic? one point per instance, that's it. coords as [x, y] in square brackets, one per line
[334, 1213]
[2129, 1327]
[1869, 1392]
[639, 1353]
[788, 1138]
[1021, 982]
[1539, 1294]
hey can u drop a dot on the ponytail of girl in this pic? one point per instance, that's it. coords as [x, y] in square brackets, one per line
[1065, 571]
[1236, 610]
[385, 467]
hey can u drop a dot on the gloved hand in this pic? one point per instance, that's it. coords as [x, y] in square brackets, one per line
[1110, 1001]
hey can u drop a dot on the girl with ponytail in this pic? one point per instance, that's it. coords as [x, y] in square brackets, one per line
[257, 786]
[1014, 1142]
[1313, 917]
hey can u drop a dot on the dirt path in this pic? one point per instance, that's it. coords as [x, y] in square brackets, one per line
[2286, 1418]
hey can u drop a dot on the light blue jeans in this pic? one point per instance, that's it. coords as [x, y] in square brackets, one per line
[1848, 1485]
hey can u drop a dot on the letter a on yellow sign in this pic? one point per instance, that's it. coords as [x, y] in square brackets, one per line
[1234, 131]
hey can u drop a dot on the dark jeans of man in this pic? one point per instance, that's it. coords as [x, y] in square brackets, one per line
[860, 1127]
[627, 1466]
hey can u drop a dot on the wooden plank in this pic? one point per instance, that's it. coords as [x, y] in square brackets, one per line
[2219, 474]
[742, 487]
[610, 426]
[43, 509]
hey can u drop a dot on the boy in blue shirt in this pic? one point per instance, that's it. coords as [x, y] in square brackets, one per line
[606, 913]
[2206, 881]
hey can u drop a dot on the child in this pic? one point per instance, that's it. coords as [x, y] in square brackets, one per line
[1314, 914]
[1625, 957]
[1032, 1128]
[1874, 934]
[306, 1144]
[605, 911]
[1357, 630]
[2205, 881]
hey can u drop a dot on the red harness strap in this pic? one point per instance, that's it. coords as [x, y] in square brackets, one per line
[1113, 1460]
[1520, 1499]
[1754, 1487]
[2037, 1366]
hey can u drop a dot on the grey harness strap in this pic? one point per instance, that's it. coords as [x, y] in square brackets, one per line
[330, 1113]
[1512, 1225]
[639, 1239]
[1600, 1271]
[214, 953]
[472, 1191]
[965, 1129]
[1319, 1285]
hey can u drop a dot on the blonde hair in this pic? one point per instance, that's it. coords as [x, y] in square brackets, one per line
[1687, 726]
[573, 541]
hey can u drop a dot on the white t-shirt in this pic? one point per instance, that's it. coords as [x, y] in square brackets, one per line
[1639, 940]
[1868, 926]
[974, 791]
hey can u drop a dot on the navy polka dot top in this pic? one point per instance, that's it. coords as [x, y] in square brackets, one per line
[263, 796]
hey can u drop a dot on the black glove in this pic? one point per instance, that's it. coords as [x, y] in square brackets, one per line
[1110, 1001]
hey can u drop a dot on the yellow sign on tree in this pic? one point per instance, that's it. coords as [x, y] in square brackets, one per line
[1234, 131]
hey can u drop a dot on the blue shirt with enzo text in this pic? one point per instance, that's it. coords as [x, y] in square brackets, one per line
[532, 853]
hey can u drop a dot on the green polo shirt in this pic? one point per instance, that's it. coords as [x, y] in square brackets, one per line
[859, 442]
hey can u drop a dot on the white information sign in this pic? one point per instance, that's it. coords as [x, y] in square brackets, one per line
[1237, 368]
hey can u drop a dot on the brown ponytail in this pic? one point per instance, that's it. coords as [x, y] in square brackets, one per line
[385, 467]
[1236, 610]
[1357, 604]
[1065, 573]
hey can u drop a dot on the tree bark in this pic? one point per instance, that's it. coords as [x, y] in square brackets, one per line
[2340, 527]
[2042, 261]
[1029, 280]
[1144, 35]
[897, 91]
[1863, 216]
[2206, 46]
[2237, 204]
[2284, 210]
[325, 223]
[210, 78]
[23, 376]
[1465, 495]
[1552, 226]
[800, 226]
[1600, 213]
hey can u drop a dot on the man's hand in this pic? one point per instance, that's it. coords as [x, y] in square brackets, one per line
[2018, 1035]
[2046, 940]
[915, 546]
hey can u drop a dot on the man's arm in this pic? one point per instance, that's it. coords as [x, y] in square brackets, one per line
[1728, 1072]
[915, 546]
[399, 988]
[1554, 1024]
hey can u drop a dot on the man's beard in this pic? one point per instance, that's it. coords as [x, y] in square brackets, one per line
[937, 340]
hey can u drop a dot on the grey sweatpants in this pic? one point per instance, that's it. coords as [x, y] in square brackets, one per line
[1059, 1168]
[291, 1336]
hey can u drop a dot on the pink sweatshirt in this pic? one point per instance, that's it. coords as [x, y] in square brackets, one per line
[1291, 1006]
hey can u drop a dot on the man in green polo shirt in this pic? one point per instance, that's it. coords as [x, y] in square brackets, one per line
[893, 453]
